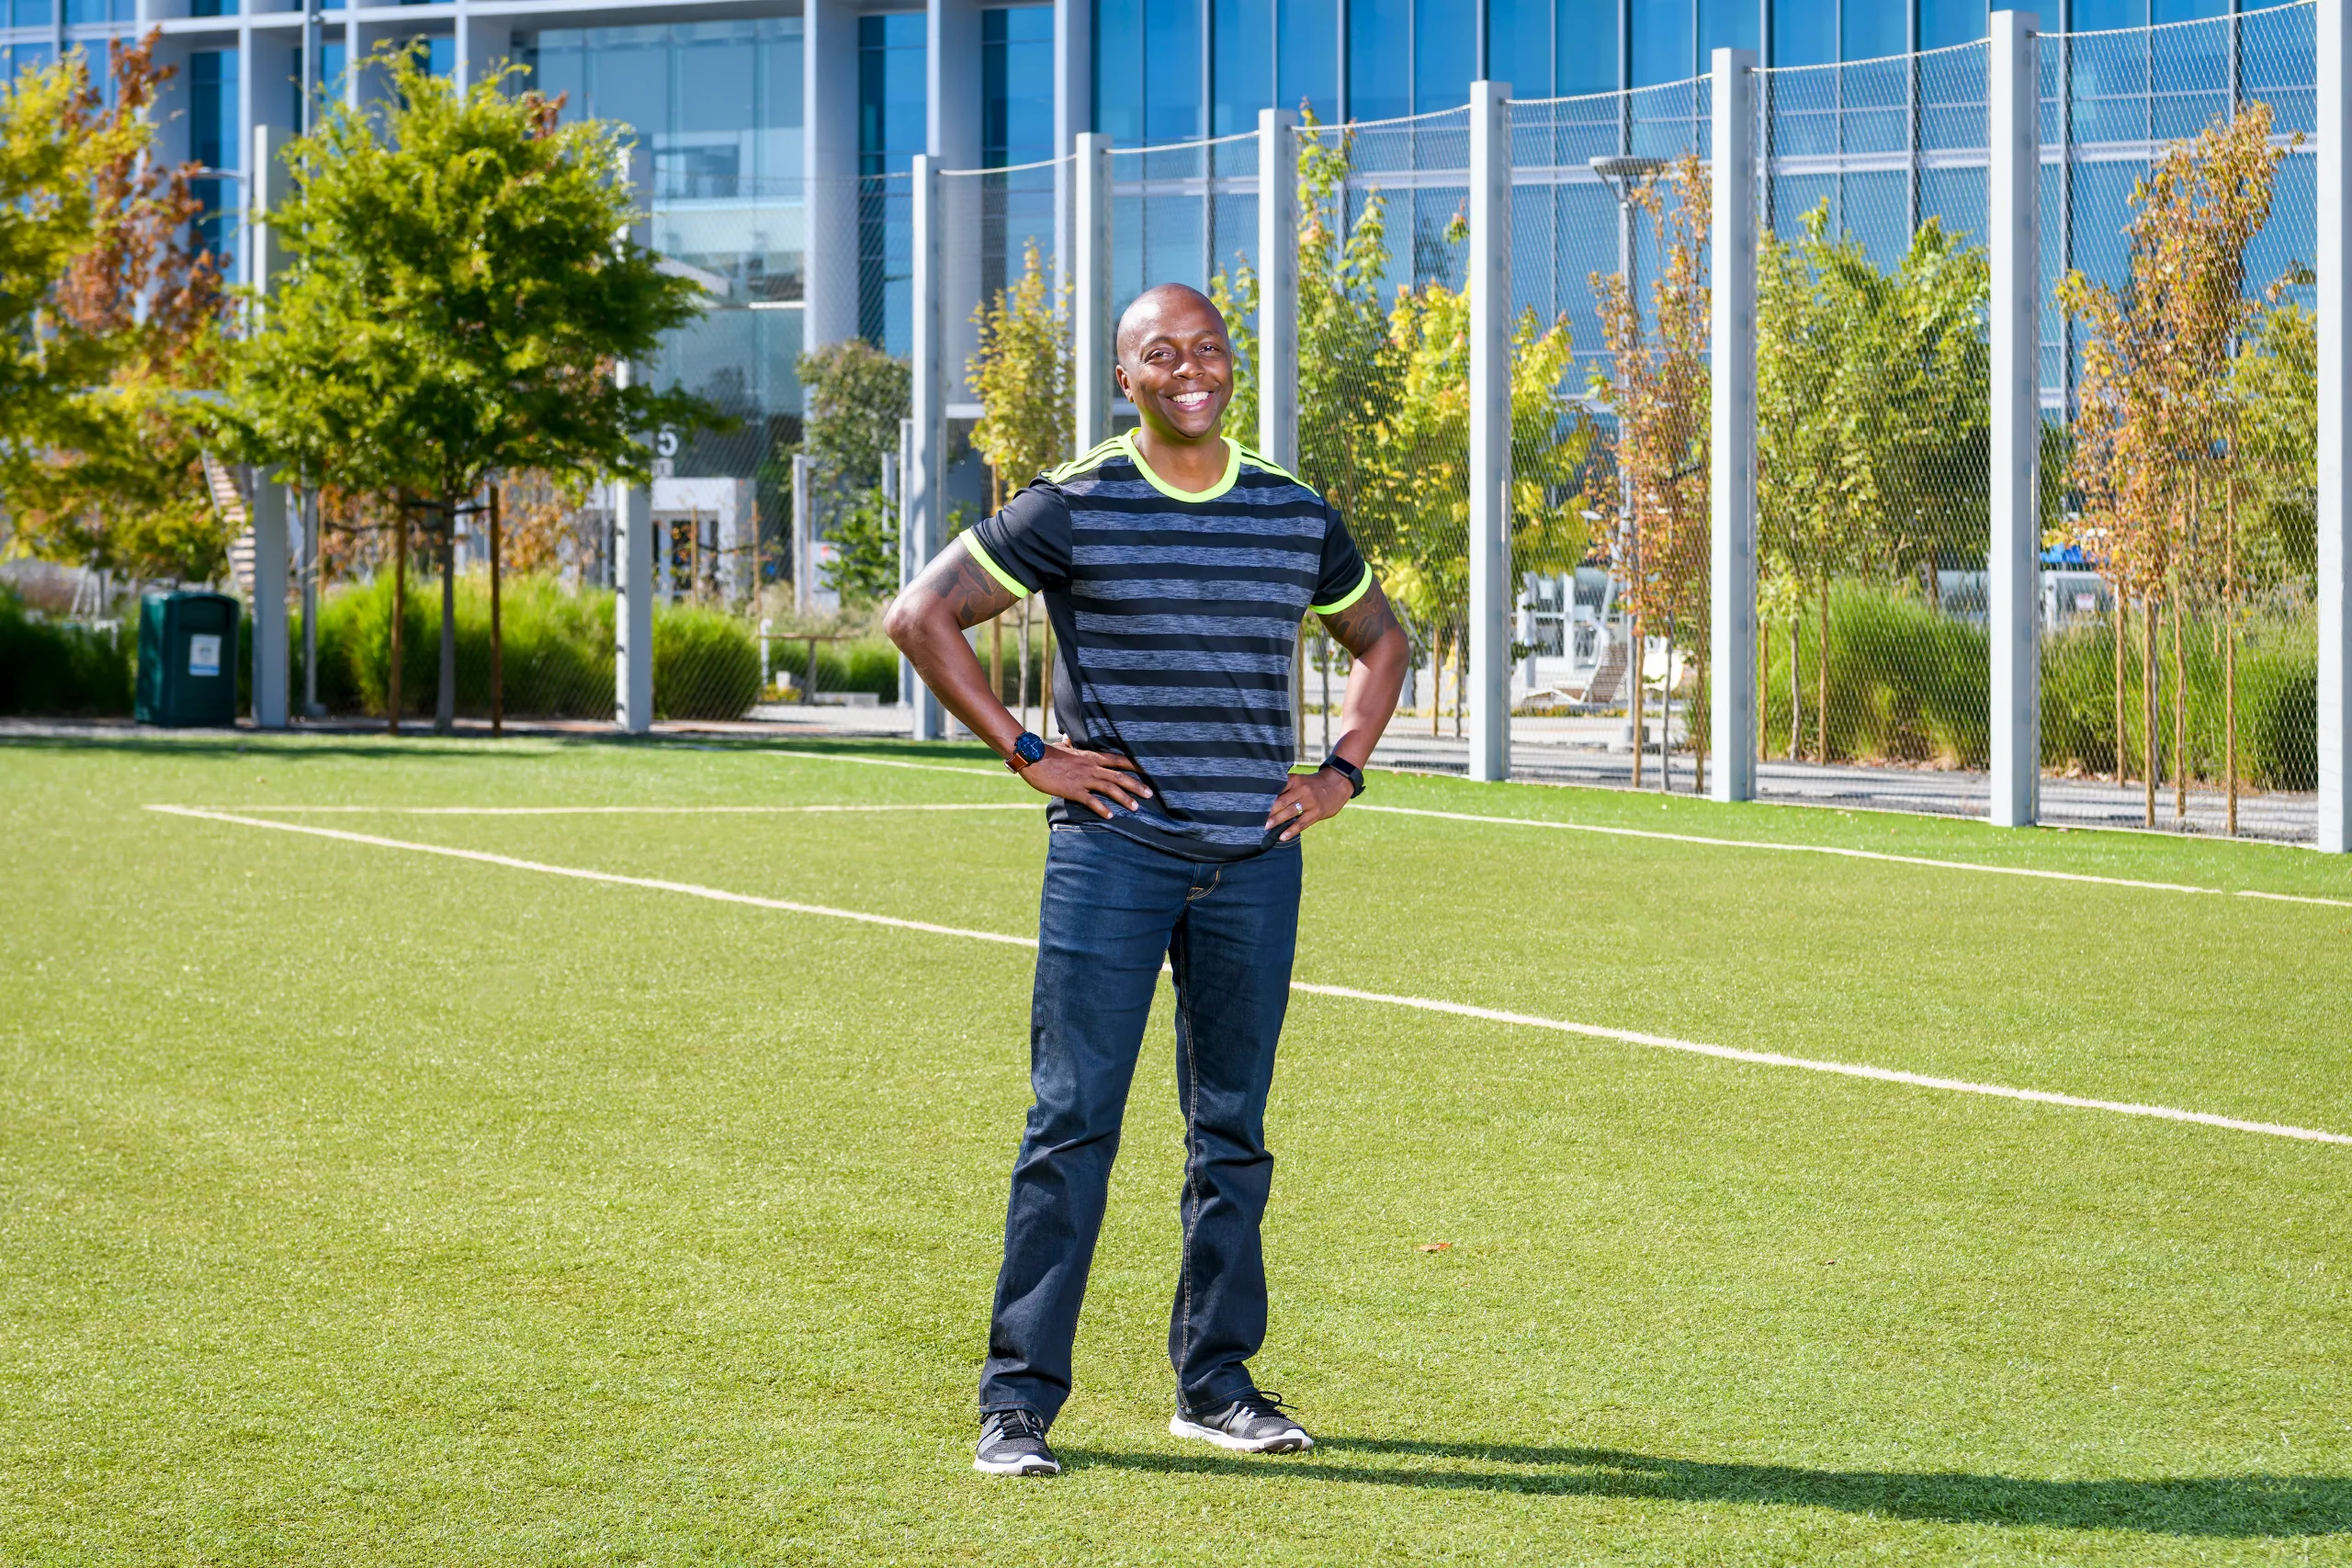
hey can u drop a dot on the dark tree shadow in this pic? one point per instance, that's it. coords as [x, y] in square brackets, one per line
[2219, 1505]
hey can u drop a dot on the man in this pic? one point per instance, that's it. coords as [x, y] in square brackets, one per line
[1176, 566]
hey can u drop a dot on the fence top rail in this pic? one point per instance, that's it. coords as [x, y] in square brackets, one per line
[1346, 127]
[1949, 52]
[2238, 19]
[1009, 168]
[1230, 136]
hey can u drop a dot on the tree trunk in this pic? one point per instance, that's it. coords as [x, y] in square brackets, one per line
[1821, 678]
[497, 646]
[1635, 703]
[2148, 705]
[400, 610]
[995, 622]
[1666, 715]
[2230, 648]
[2180, 719]
[1462, 673]
[1796, 688]
[1046, 677]
[444, 698]
[1023, 651]
[2122, 769]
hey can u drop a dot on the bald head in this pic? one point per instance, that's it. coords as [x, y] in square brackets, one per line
[1161, 306]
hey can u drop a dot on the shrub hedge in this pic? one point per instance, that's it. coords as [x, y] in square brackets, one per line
[558, 647]
[62, 670]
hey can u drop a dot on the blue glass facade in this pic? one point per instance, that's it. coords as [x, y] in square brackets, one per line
[719, 106]
[716, 109]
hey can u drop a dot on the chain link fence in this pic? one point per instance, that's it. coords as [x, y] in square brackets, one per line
[2179, 660]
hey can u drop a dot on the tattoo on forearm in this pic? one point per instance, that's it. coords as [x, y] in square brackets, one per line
[964, 586]
[1363, 623]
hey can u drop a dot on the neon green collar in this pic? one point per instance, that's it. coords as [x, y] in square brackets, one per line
[1232, 471]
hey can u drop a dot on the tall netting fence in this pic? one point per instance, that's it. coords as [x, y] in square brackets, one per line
[1383, 399]
[2179, 657]
[1608, 387]
[1873, 666]
[1006, 311]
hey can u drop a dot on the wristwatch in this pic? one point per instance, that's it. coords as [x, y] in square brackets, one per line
[1028, 749]
[1348, 771]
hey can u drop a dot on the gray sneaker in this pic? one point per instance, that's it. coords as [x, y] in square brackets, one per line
[1254, 1424]
[1012, 1442]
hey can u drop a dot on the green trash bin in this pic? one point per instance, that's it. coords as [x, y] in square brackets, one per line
[187, 659]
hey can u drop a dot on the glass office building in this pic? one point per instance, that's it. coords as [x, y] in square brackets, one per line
[772, 129]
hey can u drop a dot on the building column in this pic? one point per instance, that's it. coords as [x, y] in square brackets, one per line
[926, 478]
[1073, 114]
[2013, 563]
[1491, 598]
[2334, 587]
[828, 142]
[952, 136]
[1091, 349]
[1731, 656]
[1277, 365]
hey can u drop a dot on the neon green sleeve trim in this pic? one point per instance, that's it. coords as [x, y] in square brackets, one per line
[1360, 590]
[981, 555]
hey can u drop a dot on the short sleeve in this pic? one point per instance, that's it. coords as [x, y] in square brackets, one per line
[1345, 577]
[1026, 545]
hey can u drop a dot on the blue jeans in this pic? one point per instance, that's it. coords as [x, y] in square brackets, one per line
[1113, 908]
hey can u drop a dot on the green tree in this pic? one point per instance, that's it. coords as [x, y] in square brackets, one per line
[119, 483]
[454, 302]
[2274, 383]
[2157, 420]
[1658, 382]
[1022, 374]
[855, 396]
[1873, 419]
[56, 144]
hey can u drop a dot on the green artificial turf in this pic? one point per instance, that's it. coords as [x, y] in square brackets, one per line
[360, 1205]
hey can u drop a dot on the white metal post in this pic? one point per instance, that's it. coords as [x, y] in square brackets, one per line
[927, 442]
[1091, 345]
[1491, 599]
[270, 666]
[804, 538]
[1731, 661]
[2334, 584]
[1277, 287]
[2013, 574]
[632, 604]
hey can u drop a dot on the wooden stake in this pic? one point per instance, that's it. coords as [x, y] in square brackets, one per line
[399, 609]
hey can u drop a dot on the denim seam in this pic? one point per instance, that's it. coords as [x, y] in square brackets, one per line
[1192, 1191]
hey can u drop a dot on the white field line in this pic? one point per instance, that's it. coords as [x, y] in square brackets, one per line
[1931, 861]
[621, 810]
[692, 889]
[1422, 1004]
[1006, 774]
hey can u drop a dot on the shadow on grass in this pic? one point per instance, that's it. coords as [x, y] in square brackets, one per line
[2225, 1506]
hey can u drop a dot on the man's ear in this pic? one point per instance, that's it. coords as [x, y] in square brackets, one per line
[1119, 374]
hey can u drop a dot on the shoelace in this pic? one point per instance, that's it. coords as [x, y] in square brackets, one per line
[1018, 1424]
[1264, 1402]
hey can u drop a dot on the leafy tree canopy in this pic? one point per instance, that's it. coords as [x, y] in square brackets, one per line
[456, 296]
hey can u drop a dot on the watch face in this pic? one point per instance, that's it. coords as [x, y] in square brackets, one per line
[1029, 749]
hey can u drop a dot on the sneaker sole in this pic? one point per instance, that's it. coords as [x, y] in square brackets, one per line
[1180, 1428]
[1016, 1467]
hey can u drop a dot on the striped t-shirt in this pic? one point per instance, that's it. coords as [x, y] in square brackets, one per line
[1175, 619]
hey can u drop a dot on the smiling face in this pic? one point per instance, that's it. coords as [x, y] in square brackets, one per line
[1174, 363]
